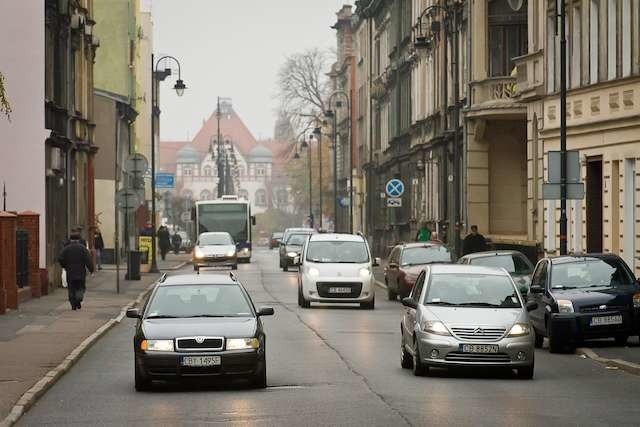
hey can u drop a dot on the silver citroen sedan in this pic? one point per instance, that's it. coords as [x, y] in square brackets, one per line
[462, 315]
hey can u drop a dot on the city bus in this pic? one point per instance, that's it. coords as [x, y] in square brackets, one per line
[229, 214]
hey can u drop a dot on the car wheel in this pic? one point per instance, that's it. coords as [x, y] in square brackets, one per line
[539, 339]
[406, 361]
[419, 369]
[301, 301]
[622, 339]
[369, 305]
[285, 268]
[391, 296]
[141, 383]
[259, 379]
[526, 372]
[555, 346]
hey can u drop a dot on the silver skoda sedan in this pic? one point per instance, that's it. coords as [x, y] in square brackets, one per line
[461, 315]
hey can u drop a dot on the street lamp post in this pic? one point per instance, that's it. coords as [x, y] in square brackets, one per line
[334, 114]
[452, 16]
[318, 134]
[179, 87]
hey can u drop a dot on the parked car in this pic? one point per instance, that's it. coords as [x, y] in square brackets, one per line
[406, 262]
[291, 249]
[199, 326]
[514, 262]
[583, 297]
[275, 239]
[336, 268]
[215, 249]
[461, 315]
[186, 245]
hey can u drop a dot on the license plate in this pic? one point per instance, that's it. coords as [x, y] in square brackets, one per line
[201, 361]
[339, 290]
[479, 348]
[606, 320]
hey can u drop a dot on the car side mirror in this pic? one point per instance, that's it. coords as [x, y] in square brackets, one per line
[531, 305]
[536, 289]
[409, 302]
[266, 311]
[376, 262]
[133, 313]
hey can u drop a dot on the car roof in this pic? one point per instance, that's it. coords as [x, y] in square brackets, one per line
[565, 259]
[198, 279]
[288, 230]
[492, 253]
[468, 269]
[215, 233]
[420, 245]
[332, 237]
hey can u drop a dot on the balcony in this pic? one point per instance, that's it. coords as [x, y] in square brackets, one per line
[530, 76]
[497, 98]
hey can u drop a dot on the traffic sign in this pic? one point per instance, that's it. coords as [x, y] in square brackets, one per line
[553, 191]
[127, 200]
[394, 202]
[394, 188]
[136, 164]
[165, 180]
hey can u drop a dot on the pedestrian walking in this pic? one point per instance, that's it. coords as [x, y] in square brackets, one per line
[424, 233]
[176, 241]
[474, 242]
[75, 231]
[164, 241]
[76, 260]
[98, 245]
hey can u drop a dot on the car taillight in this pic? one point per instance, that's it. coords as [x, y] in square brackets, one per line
[636, 300]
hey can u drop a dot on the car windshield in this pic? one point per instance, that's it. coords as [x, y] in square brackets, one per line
[514, 264]
[425, 255]
[199, 301]
[590, 273]
[338, 252]
[215, 239]
[297, 239]
[472, 290]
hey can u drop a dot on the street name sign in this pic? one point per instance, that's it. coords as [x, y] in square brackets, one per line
[165, 180]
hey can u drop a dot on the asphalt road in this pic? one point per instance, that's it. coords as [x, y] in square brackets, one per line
[336, 365]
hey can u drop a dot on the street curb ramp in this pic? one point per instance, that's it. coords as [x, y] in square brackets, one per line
[32, 395]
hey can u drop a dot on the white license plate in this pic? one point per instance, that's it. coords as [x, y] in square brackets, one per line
[479, 348]
[201, 361]
[606, 320]
[339, 290]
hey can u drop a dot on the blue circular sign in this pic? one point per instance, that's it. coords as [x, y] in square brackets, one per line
[394, 188]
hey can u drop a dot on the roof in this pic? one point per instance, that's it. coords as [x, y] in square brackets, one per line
[492, 253]
[466, 269]
[167, 152]
[188, 154]
[231, 127]
[198, 279]
[332, 237]
[260, 151]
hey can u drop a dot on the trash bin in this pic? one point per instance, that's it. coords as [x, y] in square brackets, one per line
[133, 265]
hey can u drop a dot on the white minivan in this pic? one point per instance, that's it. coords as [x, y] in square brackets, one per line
[336, 268]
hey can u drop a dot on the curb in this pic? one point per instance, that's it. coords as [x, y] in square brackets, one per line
[632, 368]
[179, 266]
[27, 400]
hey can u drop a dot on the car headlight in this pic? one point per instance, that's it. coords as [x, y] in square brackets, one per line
[435, 327]
[157, 345]
[230, 253]
[520, 330]
[199, 253]
[292, 254]
[365, 273]
[636, 300]
[245, 250]
[565, 306]
[242, 343]
[313, 272]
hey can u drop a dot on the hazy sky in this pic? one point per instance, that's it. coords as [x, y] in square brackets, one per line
[233, 48]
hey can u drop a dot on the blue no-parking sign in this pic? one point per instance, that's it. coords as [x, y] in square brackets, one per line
[394, 188]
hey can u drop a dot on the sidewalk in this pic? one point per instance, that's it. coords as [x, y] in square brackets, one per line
[39, 335]
[607, 352]
[173, 262]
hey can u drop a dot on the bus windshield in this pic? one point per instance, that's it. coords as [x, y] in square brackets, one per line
[230, 217]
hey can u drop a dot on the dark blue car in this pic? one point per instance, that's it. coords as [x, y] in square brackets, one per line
[582, 297]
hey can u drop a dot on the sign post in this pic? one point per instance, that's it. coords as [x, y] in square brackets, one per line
[394, 190]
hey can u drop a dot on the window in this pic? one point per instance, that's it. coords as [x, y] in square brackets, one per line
[540, 275]
[261, 169]
[626, 37]
[205, 195]
[576, 48]
[196, 300]
[551, 54]
[426, 255]
[207, 171]
[417, 289]
[512, 263]
[594, 40]
[243, 194]
[612, 39]
[282, 197]
[187, 171]
[590, 273]
[337, 252]
[187, 194]
[261, 198]
[507, 36]
[472, 290]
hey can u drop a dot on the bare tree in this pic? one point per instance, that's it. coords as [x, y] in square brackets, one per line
[5, 106]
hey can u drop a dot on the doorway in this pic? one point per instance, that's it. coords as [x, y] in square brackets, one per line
[594, 205]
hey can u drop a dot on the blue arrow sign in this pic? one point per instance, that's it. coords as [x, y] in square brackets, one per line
[165, 180]
[394, 188]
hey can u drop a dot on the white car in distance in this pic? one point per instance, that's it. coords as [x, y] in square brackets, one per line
[336, 268]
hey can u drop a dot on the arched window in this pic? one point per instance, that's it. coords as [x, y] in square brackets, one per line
[243, 194]
[205, 195]
[187, 171]
[207, 170]
[261, 198]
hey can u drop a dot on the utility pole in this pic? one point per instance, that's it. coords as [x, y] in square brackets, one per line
[154, 86]
[456, 145]
[563, 130]
[219, 162]
[335, 171]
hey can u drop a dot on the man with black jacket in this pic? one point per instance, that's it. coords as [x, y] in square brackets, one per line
[76, 260]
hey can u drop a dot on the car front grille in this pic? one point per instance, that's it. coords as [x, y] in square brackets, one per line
[597, 308]
[477, 357]
[199, 343]
[323, 289]
[479, 333]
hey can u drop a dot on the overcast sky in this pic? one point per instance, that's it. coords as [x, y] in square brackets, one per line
[233, 48]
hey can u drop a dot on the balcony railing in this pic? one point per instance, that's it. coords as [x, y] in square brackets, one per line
[495, 96]
[530, 75]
